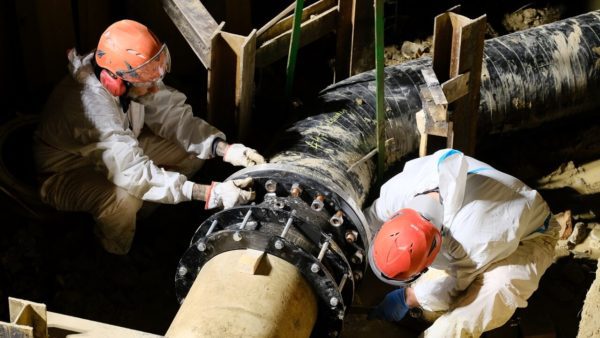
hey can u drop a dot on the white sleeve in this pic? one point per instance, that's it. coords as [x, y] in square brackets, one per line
[452, 170]
[114, 149]
[167, 115]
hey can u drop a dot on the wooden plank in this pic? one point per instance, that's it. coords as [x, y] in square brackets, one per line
[312, 29]
[362, 57]
[276, 19]
[195, 24]
[456, 87]
[15, 331]
[442, 37]
[344, 39]
[245, 85]
[465, 111]
[285, 25]
[29, 314]
[60, 326]
[221, 76]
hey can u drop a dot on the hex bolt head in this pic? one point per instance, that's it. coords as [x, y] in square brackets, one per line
[237, 236]
[201, 246]
[182, 271]
[270, 186]
[315, 268]
[278, 244]
[333, 301]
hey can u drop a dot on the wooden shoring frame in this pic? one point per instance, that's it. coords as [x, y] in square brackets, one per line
[451, 94]
[231, 58]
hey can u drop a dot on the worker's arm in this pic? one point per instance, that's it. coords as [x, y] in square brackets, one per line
[167, 115]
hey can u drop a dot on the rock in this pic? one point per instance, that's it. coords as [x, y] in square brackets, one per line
[579, 233]
[566, 224]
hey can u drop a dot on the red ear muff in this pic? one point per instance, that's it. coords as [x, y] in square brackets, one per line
[114, 85]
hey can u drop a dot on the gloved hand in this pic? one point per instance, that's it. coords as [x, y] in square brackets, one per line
[393, 307]
[240, 155]
[229, 194]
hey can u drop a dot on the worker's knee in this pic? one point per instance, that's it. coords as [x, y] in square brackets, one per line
[116, 222]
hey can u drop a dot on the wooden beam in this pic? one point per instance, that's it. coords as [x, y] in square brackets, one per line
[312, 29]
[245, 85]
[465, 109]
[221, 76]
[195, 24]
[456, 87]
[344, 39]
[362, 57]
[25, 313]
[285, 25]
[63, 326]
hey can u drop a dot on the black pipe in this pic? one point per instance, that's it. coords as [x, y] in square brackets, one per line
[528, 77]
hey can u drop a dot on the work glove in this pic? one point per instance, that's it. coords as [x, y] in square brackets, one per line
[393, 307]
[229, 194]
[240, 155]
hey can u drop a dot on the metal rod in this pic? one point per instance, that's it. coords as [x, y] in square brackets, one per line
[324, 248]
[243, 225]
[288, 224]
[211, 228]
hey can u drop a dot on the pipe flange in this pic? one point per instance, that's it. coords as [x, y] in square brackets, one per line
[331, 301]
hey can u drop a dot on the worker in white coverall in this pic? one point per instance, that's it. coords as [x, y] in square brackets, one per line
[113, 135]
[487, 236]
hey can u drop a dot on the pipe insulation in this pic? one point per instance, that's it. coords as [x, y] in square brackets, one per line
[527, 78]
[309, 197]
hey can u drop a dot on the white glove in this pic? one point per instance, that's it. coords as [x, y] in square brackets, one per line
[229, 194]
[240, 155]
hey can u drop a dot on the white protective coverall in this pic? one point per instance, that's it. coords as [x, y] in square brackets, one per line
[498, 239]
[96, 158]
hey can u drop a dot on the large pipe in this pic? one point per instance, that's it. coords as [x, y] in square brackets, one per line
[527, 78]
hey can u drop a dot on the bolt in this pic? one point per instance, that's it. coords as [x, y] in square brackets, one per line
[315, 268]
[278, 244]
[288, 224]
[212, 227]
[337, 219]
[237, 236]
[358, 257]
[243, 225]
[317, 203]
[201, 246]
[270, 186]
[182, 270]
[296, 190]
[324, 248]
[333, 301]
[351, 236]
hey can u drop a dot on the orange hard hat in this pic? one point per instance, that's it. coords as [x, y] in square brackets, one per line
[404, 247]
[132, 52]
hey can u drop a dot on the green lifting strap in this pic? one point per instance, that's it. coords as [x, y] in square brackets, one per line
[294, 44]
[379, 79]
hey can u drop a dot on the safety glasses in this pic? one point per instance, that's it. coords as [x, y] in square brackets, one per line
[151, 71]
